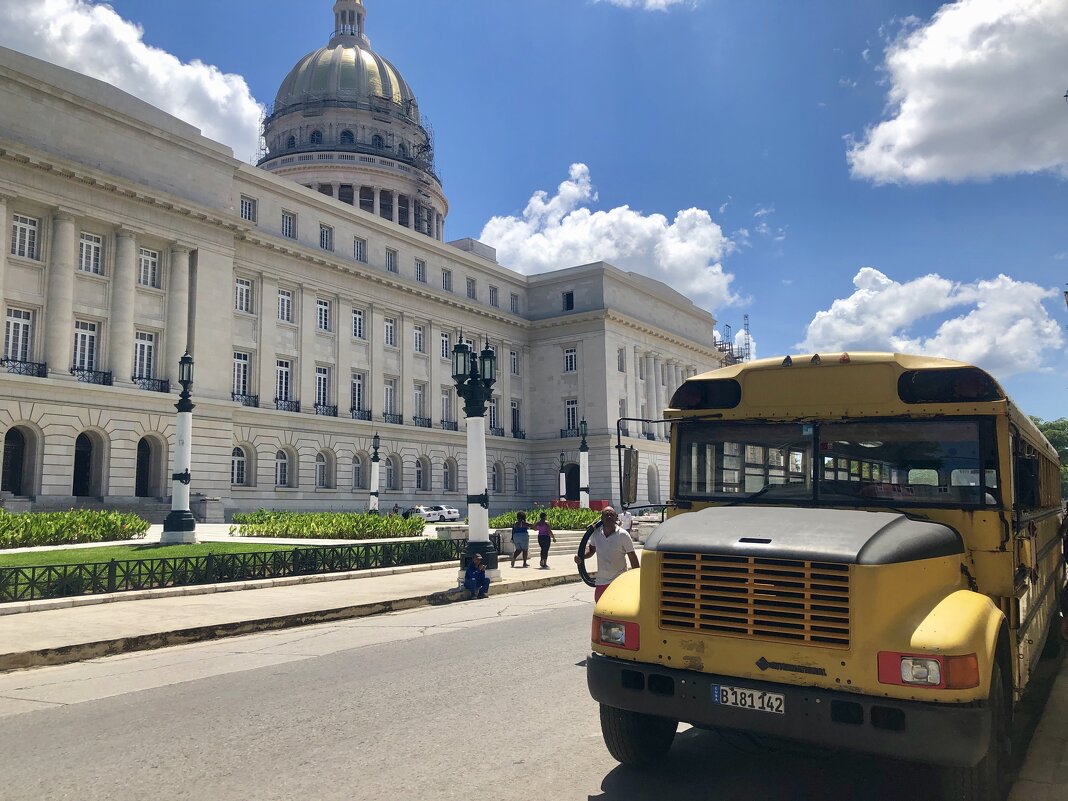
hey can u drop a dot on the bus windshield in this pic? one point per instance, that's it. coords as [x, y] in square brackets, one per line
[870, 463]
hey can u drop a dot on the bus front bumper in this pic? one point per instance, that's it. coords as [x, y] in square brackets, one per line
[941, 734]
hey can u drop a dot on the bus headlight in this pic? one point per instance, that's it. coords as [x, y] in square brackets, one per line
[918, 670]
[925, 670]
[616, 634]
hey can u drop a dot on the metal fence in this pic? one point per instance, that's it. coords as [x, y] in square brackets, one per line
[62, 581]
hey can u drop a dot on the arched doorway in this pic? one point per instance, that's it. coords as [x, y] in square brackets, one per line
[88, 466]
[147, 479]
[14, 465]
[571, 482]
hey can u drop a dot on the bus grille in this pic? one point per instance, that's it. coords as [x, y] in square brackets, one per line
[748, 596]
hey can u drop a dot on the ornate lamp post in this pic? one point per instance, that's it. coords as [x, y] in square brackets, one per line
[180, 525]
[474, 384]
[584, 467]
[372, 501]
[563, 479]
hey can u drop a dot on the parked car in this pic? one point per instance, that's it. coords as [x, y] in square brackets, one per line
[430, 514]
[447, 513]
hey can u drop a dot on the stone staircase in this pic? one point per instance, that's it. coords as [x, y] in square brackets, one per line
[153, 510]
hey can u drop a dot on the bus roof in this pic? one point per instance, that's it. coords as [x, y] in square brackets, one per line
[904, 360]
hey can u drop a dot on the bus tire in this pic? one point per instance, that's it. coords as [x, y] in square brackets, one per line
[986, 780]
[633, 738]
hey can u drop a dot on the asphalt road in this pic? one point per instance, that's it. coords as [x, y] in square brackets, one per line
[479, 700]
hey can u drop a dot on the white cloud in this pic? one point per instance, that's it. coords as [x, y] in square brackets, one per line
[649, 5]
[561, 231]
[1005, 327]
[96, 41]
[974, 93]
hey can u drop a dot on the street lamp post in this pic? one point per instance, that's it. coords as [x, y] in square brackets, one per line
[372, 501]
[563, 479]
[474, 384]
[584, 467]
[180, 525]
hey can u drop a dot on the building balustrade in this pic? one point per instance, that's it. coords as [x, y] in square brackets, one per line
[496, 432]
[649, 435]
[421, 422]
[360, 414]
[286, 405]
[395, 419]
[449, 425]
[566, 433]
[323, 410]
[252, 401]
[32, 369]
[151, 384]
[101, 377]
[518, 434]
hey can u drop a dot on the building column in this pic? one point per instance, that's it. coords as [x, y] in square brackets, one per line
[504, 388]
[5, 248]
[412, 206]
[335, 190]
[123, 299]
[658, 390]
[377, 201]
[267, 352]
[406, 389]
[376, 322]
[177, 311]
[305, 384]
[433, 411]
[59, 311]
[650, 390]
[676, 379]
[343, 355]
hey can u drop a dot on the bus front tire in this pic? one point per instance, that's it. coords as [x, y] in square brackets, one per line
[986, 780]
[633, 738]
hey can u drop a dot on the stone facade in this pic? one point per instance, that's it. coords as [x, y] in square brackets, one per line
[129, 238]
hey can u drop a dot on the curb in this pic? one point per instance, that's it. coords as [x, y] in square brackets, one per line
[119, 645]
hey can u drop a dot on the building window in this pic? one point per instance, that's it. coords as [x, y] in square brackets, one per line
[446, 405]
[237, 467]
[322, 471]
[389, 396]
[493, 421]
[420, 271]
[357, 472]
[357, 323]
[84, 345]
[377, 142]
[514, 303]
[494, 486]
[285, 305]
[390, 332]
[322, 386]
[569, 301]
[241, 373]
[517, 417]
[446, 280]
[322, 314]
[289, 225]
[448, 476]
[420, 476]
[326, 237]
[248, 209]
[621, 360]
[24, 236]
[571, 414]
[446, 346]
[391, 261]
[623, 410]
[91, 248]
[420, 400]
[359, 249]
[513, 361]
[347, 138]
[243, 295]
[494, 299]
[419, 340]
[391, 474]
[18, 335]
[570, 360]
[144, 354]
[357, 392]
[519, 479]
[472, 289]
[148, 268]
[281, 469]
[316, 137]
[282, 379]
[291, 143]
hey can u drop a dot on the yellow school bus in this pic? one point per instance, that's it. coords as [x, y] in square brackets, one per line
[863, 552]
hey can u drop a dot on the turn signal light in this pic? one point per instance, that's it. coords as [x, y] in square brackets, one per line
[616, 634]
[929, 670]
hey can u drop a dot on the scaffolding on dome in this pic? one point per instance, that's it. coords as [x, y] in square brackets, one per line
[734, 352]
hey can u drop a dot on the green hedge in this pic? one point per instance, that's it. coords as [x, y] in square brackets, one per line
[325, 525]
[77, 526]
[558, 519]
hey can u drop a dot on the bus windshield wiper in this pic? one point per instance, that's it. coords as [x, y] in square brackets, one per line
[752, 496]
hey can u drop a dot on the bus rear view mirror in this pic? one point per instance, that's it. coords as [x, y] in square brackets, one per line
[629, 491]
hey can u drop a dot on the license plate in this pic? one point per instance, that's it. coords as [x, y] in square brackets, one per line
[749, 699]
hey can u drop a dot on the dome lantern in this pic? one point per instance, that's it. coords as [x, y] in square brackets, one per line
[349, 16]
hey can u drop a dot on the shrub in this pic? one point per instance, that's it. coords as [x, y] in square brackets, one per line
[75, 527]
[325, 525]
[559, 519]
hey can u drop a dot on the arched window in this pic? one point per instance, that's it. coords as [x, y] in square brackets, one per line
[357, 473]
[520, 479]
[449, 476]
[317, 137]
[496, 478]
[322, 471]
[281, 469]
[291, 143]
[391, 474]
[402, 150]
[237, 467]
[378, 142]
[420, 476]
[347, 138]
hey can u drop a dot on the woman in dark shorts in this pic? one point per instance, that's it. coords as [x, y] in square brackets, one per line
[521, 538]
[545, 536]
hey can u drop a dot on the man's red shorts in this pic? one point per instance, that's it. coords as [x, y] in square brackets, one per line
[598, 591]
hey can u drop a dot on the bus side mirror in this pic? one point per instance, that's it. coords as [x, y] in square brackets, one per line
[629, 491]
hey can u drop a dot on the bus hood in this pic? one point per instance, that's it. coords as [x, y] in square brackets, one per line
[818, 535]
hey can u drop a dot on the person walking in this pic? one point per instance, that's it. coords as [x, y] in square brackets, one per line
[475, 579]
[614, 549]
[520, 538]
[626, 519]
[545, 536]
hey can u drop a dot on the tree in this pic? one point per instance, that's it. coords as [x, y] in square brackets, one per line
[1056, 432]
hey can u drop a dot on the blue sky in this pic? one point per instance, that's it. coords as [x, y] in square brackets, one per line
[851, 175]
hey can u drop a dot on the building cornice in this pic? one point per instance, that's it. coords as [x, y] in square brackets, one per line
[614, 317]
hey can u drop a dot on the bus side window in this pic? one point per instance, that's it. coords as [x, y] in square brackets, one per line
[1027, 482]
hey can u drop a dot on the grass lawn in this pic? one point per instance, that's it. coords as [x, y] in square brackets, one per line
[78, 556]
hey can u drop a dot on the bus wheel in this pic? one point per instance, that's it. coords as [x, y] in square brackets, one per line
[986, 780]
[636, 739]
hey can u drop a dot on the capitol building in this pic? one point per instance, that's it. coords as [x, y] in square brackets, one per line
[320, 299]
